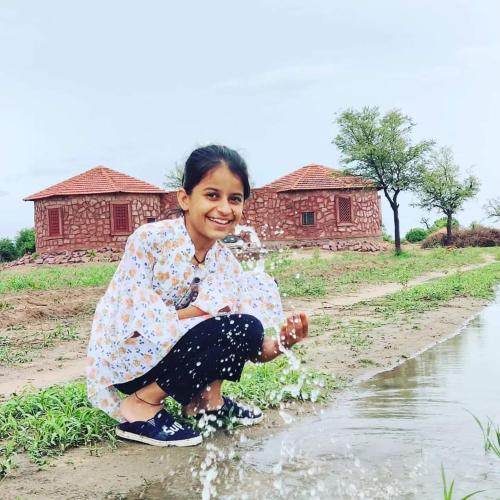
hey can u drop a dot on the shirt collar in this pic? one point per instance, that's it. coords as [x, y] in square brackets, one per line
[188, 250]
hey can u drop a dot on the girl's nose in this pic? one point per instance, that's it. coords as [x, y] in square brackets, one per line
[224, 207]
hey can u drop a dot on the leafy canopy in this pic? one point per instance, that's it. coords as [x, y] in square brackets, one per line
[380, 148]
[440, 187]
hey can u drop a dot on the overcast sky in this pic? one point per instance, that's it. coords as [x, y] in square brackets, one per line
[135, 86]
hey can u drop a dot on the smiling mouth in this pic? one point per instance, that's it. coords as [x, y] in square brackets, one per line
[222, 222]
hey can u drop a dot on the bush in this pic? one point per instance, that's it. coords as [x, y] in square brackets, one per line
[416, 234]
[7, 250]
[25, 241]
[442, 222]
[479, 237]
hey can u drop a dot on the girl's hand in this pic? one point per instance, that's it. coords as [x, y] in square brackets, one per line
[190, 312]
[295, 329]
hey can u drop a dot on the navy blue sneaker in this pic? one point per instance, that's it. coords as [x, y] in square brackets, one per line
[161, 430]
[228, 414]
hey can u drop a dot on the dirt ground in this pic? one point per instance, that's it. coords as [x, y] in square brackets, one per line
[106, 473]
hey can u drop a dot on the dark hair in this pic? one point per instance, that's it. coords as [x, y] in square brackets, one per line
[204, 159]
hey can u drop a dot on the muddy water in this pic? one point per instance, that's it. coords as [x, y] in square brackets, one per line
[388, 437]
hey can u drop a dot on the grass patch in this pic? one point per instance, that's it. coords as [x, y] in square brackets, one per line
[267, 385]
[13, 352]
[478, 283]
[57, 277]
[353, 332]
[349, 270]
[48, 422]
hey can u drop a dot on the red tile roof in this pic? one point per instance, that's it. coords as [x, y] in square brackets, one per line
[318, 177]
[94, 181]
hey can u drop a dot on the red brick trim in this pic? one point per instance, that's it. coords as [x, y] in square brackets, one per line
[337, 210]
[60, 222]
[115, 231]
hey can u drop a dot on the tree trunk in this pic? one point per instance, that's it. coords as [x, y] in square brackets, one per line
[448, 228]
[397, 237]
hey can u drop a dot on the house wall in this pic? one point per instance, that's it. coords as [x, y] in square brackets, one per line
[277, 216]
[86, 220]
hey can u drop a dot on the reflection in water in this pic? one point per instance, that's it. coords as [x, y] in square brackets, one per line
[389, 436]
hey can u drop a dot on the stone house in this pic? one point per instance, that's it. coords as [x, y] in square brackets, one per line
[93, 210]
[316, 204]
[312, 205]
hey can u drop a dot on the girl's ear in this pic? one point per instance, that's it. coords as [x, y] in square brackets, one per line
[183, 199]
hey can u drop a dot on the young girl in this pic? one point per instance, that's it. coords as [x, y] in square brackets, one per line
[180, 315]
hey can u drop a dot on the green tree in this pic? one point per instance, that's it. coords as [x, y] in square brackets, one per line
[25, 241]
[380, 148]
[7, 250]
[174, 177]
[440, 187]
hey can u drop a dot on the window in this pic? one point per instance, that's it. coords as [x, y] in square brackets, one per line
[150, 219]
[344, 211]
[308, 218]
[54, 222]
[120, 218]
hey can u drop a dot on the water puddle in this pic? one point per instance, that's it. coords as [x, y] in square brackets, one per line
[386, 438]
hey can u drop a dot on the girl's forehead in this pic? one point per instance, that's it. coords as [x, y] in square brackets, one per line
[222, 178]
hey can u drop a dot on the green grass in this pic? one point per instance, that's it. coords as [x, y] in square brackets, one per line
[478, 283]
[14, 352]
[448, 490]
[57, 277]
[48, 422]
[317, 276]
[491, 436]
[267, 385]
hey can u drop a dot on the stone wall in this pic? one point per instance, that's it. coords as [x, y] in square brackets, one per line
[86, 220]
[277, 216]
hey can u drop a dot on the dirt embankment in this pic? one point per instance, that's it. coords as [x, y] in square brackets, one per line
[84, 473]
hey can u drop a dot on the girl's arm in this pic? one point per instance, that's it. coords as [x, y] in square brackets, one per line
[190, 312]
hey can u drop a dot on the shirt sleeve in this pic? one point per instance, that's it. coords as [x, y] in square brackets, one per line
[139, 308]
[245, 292]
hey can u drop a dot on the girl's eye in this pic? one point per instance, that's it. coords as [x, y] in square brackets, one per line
[236, 199]
[212, 196]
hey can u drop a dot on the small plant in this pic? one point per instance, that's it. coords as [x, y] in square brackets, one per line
[448, 491]
[6, 459]
[491, 436]
[91, 253]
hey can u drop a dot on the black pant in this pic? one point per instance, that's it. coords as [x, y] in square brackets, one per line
[215, 349]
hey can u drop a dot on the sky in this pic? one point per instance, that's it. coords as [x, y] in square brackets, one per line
[136, 86]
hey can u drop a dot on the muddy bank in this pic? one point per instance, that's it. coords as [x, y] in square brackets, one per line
[104, 473]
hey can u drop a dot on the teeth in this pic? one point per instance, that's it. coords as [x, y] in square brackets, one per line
[220, 221]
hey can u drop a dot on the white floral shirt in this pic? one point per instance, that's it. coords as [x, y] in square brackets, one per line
[155, 271]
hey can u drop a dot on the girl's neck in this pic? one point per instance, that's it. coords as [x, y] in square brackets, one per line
[201, 245]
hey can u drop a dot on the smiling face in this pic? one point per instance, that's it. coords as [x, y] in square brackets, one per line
[214, 206]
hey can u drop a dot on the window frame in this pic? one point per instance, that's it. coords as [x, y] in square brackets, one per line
[337, 209]
[60, 234]
[302, 214]
[114, 230]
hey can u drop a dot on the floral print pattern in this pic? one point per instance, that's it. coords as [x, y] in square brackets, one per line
[155, 271]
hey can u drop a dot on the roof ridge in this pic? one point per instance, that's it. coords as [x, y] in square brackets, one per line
[106, 173]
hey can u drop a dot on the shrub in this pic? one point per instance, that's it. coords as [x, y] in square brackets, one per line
[25, 241]
[479, 237]
[442, 222]
[7, 250]
[416, 234]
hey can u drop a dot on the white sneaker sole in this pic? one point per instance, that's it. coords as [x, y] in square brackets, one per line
[249, 421]
[155, 442]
